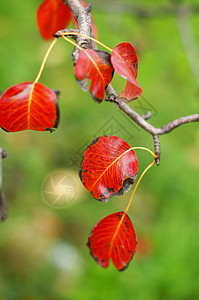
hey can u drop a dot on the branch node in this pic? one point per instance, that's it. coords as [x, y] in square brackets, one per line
[88, 8]
[60, 33]
[110, 98]
[147, 116]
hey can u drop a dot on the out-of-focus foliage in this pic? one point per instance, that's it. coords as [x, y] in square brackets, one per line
[43, 253]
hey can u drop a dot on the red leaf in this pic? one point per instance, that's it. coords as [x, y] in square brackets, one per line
[84, 4]
[125, 63]
[109, 167]
[130, 92]
[96, 66]
[52, 15]
[29, 106]
[113, 238]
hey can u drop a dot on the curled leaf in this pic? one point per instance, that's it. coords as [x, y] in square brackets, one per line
[125, 62]
[96, 66]
[109, 167]
[52, 15]
[113, 238]
[29, 105]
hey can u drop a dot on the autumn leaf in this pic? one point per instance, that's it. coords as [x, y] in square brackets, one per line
[131, 92]
[96, 66]
[109, 167]
[29, 105]
[52, 15]
[125, 63]
[113, 238]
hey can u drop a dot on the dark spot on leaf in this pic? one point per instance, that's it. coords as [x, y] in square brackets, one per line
[127, 183]
[50, 129]
[108, 191]
[119, 216]
[80, 168]
[127, 225]
[97, 100]
[4, 129]
[57, 109]
[126, 265]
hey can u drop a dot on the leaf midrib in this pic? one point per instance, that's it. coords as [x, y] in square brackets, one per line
[109, 168]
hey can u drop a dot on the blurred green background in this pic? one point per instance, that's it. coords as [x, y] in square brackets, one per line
[43, 253]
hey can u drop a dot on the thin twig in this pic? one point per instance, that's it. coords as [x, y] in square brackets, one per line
[147, 116]
[150, 128]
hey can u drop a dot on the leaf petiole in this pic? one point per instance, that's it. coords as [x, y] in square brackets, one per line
[135, 188]
[63, 34]
[44, 60]
[146, 149]
[71, 42]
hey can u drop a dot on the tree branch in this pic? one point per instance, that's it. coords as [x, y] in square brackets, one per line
[150, 128]
[84, 24]
[83, 17]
